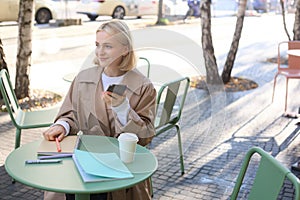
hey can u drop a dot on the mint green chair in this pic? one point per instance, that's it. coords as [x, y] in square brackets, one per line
[169, 108]
[269, 178]
[21, 119]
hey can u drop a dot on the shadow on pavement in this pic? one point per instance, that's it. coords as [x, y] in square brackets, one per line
[9, 190]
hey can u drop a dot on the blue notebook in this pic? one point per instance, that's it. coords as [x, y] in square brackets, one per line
[95, 167]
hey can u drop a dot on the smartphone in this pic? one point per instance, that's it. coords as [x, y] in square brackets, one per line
[117, 89]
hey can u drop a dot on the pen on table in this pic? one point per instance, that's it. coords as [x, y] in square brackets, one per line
[43, 161]
[78, 142]
[55, 156]
[57, 145]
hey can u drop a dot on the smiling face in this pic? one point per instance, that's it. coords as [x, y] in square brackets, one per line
[109, 50]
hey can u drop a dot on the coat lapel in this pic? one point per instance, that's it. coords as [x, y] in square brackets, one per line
[93, 79]
[133, 81]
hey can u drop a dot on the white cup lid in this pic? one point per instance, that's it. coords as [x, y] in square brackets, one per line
[128, 137]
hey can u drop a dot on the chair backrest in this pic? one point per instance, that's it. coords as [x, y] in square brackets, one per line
[8, 94]
[269, 179]
[294, 61]
[147, 65]
[167, 96]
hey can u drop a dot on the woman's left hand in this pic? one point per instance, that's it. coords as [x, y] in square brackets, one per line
[113, 99]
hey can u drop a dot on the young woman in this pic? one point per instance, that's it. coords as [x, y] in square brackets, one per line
[89, 107]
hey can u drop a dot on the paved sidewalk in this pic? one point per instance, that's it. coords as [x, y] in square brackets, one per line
[217, 130]
[215, 140]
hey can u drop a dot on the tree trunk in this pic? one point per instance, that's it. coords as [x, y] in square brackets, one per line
[226, 74]
[212, 74]
[3, 64]
[159, 14]
[296, 29]
[24, 48]
[283, 18]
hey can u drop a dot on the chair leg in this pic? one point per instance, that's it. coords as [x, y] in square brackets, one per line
[17, 144]
[180, 149]
[151, 187]
[18, 138]
[274, 85]
[286, 94]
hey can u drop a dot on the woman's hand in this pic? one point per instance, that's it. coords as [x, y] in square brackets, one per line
[113, 99]
[56, 131]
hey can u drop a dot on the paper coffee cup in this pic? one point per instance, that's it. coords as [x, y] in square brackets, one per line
[127, 146]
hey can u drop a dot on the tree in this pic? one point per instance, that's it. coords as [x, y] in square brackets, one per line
[296, 29]
[212, 73]
[159, 13]
[226, 74]
[283, 18]
[24, 51]
[3, 64]
[160, 19]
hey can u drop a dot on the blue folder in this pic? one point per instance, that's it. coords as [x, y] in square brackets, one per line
[100, 166]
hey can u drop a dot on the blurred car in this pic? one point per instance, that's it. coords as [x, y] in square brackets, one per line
[265, 5]
[67, 8]
[45, 10]
[117, 9]
[175, 7]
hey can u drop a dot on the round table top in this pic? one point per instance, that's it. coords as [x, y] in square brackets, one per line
[64, 177]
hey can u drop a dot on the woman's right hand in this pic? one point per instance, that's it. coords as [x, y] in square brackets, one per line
[56, 131]
[113, 99]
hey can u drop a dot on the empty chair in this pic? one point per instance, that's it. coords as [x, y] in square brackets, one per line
[21, 119]
[292, 70]
[169, 109]
[269, 177]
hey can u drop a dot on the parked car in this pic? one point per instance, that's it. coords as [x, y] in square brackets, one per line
[118, 8]
[45, 10]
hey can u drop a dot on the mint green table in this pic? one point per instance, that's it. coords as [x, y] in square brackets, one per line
[64, 177]
[69, 77]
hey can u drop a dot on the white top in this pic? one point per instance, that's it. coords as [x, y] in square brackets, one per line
[107, 80]
[123, 109]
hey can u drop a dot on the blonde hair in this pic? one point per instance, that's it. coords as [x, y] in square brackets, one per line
[123, 35]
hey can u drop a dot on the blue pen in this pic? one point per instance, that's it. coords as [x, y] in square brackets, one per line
[43, 161]
[56, 156]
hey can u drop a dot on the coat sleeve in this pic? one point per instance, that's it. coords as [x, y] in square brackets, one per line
[67, 112]
[141, 115]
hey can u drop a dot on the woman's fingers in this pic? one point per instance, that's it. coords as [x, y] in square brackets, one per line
[113, 99]
[54, 132]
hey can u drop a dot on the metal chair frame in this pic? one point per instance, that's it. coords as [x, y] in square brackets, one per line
[22, 119]
[148, 65]
[166, 117]
[269, 178]
[292, 71]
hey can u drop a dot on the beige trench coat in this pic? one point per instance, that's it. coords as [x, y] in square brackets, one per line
[84, 109]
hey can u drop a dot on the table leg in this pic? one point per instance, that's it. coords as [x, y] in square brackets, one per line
[82, 196]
